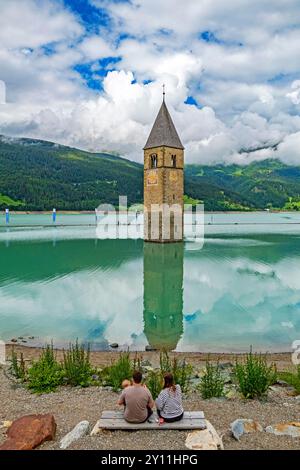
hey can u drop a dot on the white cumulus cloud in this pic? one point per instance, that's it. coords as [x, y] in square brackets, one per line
[238, 61]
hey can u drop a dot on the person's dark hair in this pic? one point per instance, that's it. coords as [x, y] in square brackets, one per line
[169, 382]
[137, 376]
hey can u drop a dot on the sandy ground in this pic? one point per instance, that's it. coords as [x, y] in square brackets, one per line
[101, 358]
[71, 405]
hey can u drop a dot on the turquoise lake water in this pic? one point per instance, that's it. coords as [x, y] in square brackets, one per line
[241, 288]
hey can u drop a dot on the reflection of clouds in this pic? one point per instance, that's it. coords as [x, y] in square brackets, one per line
[289, 273]
[67, 307]
[230, 302]
[204, 284]
[208, 280]
[255, 267]
[245, 303]
[13, 234]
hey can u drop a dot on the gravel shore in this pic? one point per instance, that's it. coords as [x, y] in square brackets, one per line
[100, 358]
[71, 405]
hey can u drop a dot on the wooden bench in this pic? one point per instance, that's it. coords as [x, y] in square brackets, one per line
[115, 420]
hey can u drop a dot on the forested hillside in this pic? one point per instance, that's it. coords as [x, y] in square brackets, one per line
[40, 175]
[261, 185]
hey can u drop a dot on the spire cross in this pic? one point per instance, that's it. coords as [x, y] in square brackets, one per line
[164, 92]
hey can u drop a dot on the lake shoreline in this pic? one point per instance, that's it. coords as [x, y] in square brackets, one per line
[101, 358]
[88, 212]
[71, 405]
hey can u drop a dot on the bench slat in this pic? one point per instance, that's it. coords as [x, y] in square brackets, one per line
[115, 420]
[107, 414]
[122, 424]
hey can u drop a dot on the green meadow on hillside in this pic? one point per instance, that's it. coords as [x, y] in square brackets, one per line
[40, 175]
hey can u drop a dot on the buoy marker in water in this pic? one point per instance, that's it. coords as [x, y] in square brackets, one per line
[7, 216]
[54, 215]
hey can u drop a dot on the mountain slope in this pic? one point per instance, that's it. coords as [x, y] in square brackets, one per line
[260, 185]
[40, 175]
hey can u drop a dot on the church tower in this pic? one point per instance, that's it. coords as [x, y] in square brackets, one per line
[163, 181]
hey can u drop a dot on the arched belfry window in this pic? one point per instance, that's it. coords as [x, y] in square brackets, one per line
[153, 160]
[173, 161]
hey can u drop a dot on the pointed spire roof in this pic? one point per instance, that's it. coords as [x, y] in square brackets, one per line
[163, 132]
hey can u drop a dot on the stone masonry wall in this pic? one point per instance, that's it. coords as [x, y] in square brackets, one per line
[163, 184]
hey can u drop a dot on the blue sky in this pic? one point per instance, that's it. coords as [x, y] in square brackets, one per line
[92, 17]
[89, 73]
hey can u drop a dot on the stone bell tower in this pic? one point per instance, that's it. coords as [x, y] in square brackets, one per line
[163, 181]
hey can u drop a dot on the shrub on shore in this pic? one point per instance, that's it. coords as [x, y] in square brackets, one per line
[137, 362]
[212, 382]
[292, 378]
[154, 383]
[254, 376]
[77, 367]
[122, 369]
[181, 370]
[45, 374]
[18, 367]
[165, 364]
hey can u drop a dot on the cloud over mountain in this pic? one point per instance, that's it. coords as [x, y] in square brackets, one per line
[91, 76]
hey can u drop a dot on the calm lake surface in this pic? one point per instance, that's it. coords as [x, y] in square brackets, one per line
[241, 288]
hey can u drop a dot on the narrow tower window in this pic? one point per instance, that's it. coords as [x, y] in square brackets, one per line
[173, 161]
[153, 160]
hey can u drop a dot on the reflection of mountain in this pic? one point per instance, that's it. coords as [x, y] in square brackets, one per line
[263, 248]
[40, 260]
[163, 294]
[37, 261]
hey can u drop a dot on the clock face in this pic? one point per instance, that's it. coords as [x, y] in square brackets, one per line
[152, 178]
[173, 176]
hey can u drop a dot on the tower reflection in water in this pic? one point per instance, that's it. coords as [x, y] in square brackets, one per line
[163, 294]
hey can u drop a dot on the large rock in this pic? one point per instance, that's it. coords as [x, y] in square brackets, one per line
[244, 426]
[206, 439]
[30, 431]
[80, 430]
[285, 429]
